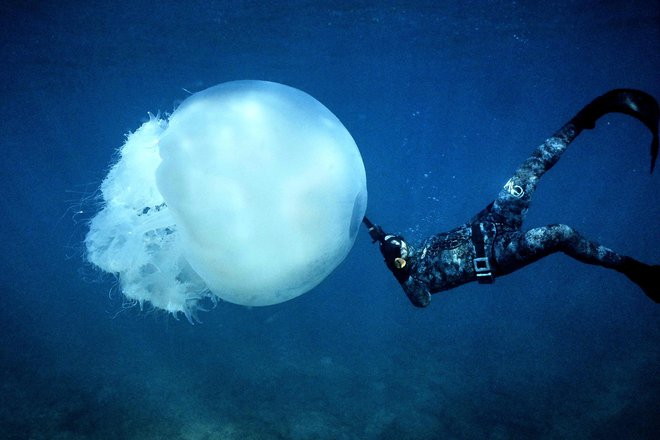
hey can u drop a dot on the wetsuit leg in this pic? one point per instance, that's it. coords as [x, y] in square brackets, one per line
[519, 249]
[514, 249]
[514, 198]
[523, 248]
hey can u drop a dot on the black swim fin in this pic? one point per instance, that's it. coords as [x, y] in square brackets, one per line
[644, 275]
[640, 105]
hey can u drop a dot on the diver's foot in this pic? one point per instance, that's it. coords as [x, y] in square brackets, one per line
[636, 103]
[644, 275]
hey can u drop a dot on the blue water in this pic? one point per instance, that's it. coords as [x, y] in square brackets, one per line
[444, 100]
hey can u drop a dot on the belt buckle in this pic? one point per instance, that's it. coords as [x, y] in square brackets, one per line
[482, 268]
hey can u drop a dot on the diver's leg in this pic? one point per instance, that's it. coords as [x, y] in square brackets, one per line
[512, 203]
[514, 198]
[525, 248]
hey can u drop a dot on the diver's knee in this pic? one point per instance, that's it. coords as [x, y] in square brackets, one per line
[562, 233]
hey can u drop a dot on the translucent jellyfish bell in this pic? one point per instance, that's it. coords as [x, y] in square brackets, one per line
[252, 191]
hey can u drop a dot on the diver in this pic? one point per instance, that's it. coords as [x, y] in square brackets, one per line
[493, 244]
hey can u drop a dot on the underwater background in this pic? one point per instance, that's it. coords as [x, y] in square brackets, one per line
[444, 100]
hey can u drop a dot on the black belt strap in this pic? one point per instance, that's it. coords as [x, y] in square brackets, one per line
[481, 263]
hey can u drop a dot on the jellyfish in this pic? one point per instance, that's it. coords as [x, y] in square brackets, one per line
[250, 191]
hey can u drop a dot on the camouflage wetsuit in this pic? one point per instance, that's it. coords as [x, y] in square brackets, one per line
[492, 243]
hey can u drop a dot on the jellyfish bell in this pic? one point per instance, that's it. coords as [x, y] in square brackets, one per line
[262, 181]
[251, 192]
